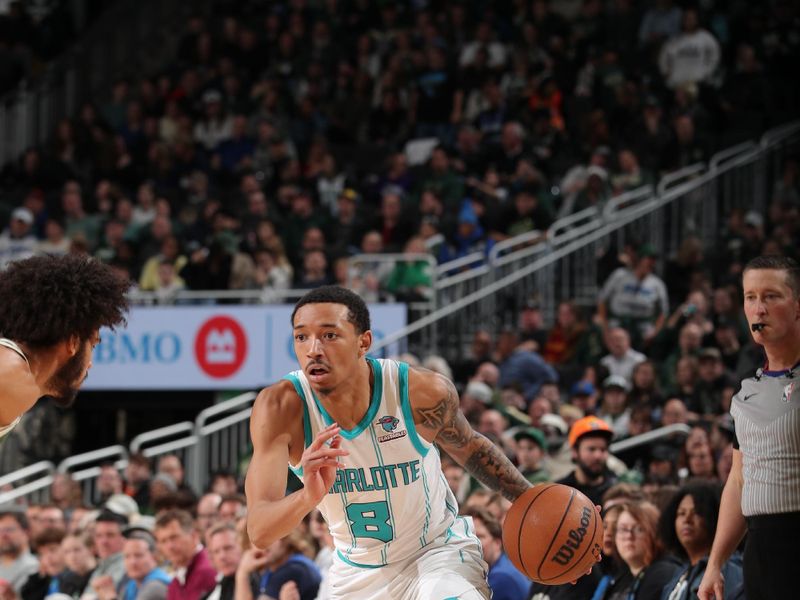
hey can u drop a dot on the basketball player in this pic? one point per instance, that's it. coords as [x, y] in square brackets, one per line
[360, 432]
[51, 312]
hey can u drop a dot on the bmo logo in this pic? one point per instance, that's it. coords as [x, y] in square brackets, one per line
[220, 347]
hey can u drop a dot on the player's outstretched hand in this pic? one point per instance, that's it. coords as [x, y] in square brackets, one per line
[320, 461]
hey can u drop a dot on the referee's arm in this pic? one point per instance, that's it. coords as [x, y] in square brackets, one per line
[731, 528]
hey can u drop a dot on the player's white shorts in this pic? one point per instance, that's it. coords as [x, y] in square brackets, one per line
[447, 568]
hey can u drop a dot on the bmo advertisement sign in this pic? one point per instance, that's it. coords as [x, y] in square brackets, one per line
[208, 347]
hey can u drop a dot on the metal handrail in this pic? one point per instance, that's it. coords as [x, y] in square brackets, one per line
[458, 263]
[777, 134]
[43, 466]
[639, 197]
[728, 153]
[523, 238]
[160, 433]
[589, 215]
[26, 489]
[684, 173]
[206, 414]
[109, 452]
[648, 437]
[170, 447]
[225, 422]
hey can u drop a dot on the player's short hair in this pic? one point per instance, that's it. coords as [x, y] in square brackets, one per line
[357, 311]
[778, 262]
[45, 300]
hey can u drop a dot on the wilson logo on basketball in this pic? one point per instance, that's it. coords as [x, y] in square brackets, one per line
[574, 539]
[220, 347]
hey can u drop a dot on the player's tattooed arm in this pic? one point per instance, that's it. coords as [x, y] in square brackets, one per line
[440, 420]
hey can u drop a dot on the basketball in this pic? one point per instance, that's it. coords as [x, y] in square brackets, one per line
[553, 534]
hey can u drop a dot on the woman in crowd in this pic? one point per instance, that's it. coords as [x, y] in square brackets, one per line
[687, 527]
[639, 548]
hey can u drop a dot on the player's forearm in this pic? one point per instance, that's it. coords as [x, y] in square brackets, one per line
[731, 525]
[269, 521]
[489, 465]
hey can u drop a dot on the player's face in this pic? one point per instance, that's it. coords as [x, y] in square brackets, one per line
[327, 345]
[64, 384]
[769, 300]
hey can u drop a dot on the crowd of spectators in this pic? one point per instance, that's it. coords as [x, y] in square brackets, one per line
[35, 32]
[273, 144]
[274, 147]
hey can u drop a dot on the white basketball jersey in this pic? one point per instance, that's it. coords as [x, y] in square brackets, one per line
[391, 499]
[6, 343]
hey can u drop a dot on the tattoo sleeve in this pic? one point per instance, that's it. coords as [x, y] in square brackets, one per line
[477, 454]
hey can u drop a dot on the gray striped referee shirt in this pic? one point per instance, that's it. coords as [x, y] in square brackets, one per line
[766, 411]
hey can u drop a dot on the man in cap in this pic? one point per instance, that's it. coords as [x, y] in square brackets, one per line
[17, 241]
[613, 408]
[635, 298]
[583, 396]
[589, 438]
[531, 448]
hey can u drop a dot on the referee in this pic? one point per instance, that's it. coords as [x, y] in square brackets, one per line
[762, 494]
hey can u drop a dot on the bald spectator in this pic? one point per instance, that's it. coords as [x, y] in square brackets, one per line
[622, 358]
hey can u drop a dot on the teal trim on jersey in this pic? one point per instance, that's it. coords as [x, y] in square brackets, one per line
[450, 508]
[355, 564]
[386, 494]
[461, 554]
[423, 537]
[306, 419]
[405, 405]
[377, 395]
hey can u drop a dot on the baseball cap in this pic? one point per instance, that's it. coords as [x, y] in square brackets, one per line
[480, 391]
[122, 504]
[648, 251]
[589, 426]
[617, 381]
[557, 422]
[212, 96]
[582, 388]
[23, 214]
[663, 452]
[709, 353]
[754, 219]
[598, 171]
[533, 434]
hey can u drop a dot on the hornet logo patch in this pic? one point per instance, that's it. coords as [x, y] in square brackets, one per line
[388, 423]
